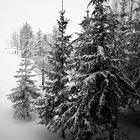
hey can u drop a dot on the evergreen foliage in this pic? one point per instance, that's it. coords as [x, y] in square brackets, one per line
[91, 105]
[132, 67]
[107, 74]
[122, 43]
[26, 90]
[40, 53]
[15, 42]
[56, 78]
[128, 41]
[26, 36]
[60, 51]
[40, 44]
[121, 36]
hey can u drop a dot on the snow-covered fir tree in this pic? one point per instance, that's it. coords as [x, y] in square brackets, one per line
[90, 106]
[26, 90]
[52, 37]
[128, 44]
[121, 36]
[26, 40]
[56, 78]
[15, 42]
[40, 53]
[132, 67]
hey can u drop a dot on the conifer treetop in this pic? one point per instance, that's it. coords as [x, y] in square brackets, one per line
[94, 2]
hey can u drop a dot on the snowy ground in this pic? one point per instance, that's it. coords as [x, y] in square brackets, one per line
[10, 128]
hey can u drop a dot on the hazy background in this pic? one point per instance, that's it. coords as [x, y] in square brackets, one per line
[39, 14]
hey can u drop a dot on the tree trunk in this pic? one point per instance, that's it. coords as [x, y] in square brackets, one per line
[116, 123]
[111, 134]
[116, 120]
[63, 134]
[17, 49]
[43, 76]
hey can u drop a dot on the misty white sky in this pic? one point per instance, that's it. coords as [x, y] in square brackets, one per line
[39, 14]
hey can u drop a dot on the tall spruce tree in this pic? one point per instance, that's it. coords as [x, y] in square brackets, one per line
[91, 105]
[56, 79]
[25, 91]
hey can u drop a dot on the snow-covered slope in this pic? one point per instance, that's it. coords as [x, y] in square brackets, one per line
[10, 128]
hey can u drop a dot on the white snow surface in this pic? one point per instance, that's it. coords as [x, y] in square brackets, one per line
[11, 128]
